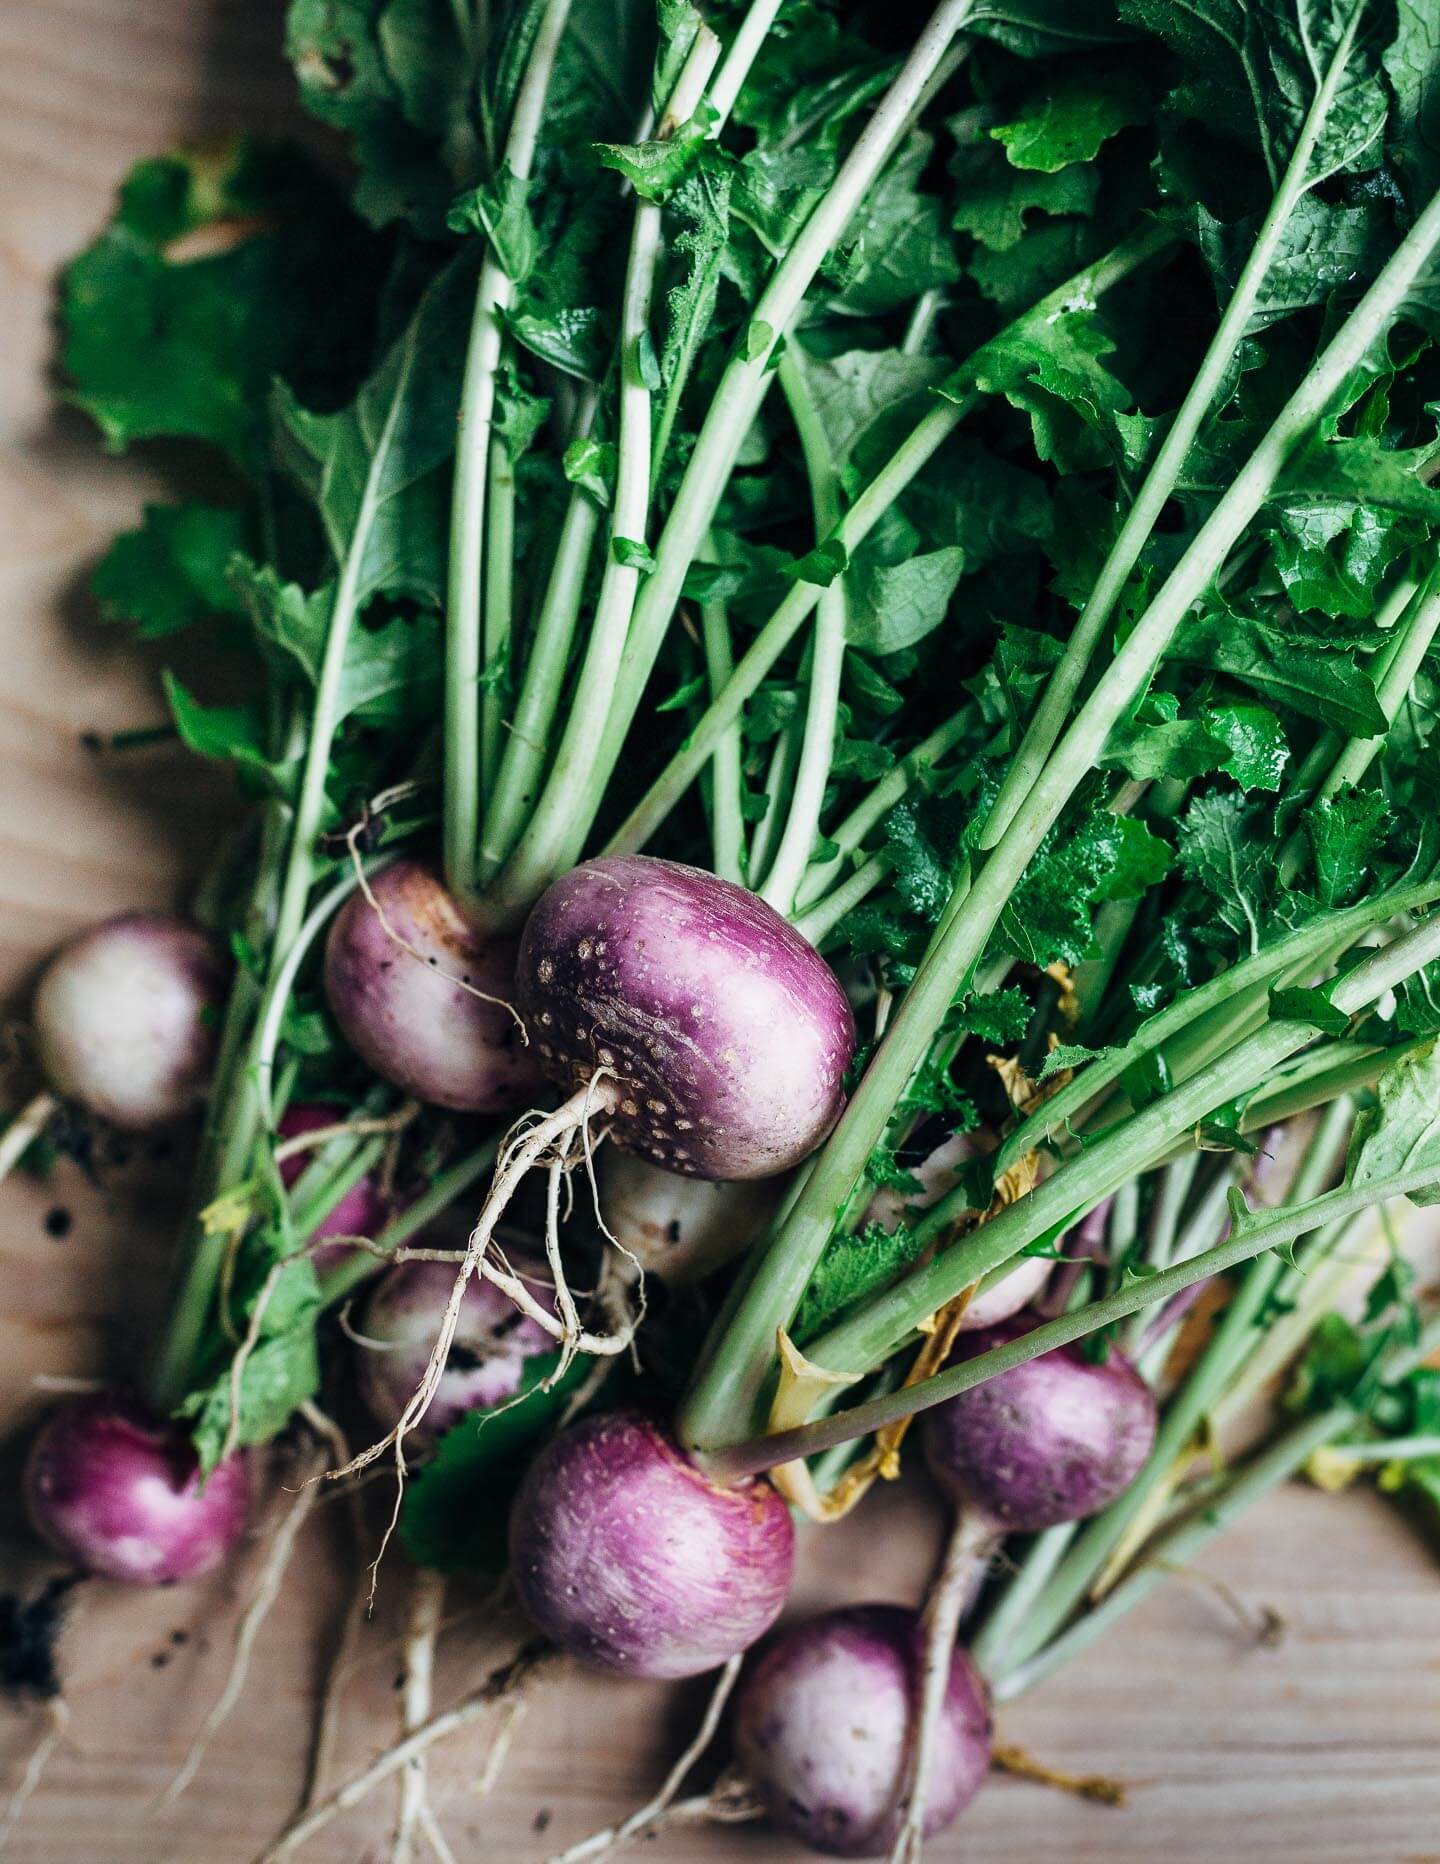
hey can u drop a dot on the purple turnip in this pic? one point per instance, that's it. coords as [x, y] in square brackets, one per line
[423, 998]
[124, 1019]
[486, 1363]
[823, 1725]
[681, 1229]
[937, 1175]
[362, 1210]
[1052, 1440]
[119, 1492]
[716, 1036]
[631, 1560]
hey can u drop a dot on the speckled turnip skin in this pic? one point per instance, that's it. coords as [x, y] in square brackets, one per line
[123, 1019]
[937, 1175]
[361, 1212]
[405, 1017]
[1049, 1441]
[726, 1033]
[681, 1229]
[487, 1361]
[820, 1730]
[627, 1557]
[118, 1492]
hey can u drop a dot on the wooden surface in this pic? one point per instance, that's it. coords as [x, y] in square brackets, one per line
[1325, 1748]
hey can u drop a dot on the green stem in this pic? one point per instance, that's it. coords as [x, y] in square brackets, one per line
[912, 455]
[878, 1326]
[346, 1276]
[1012, 1608]
[527, 743]
[778, 780]
[882, 796]
[498, 608]
[827, 661]
[494, 294]
[817, 922]
[1237, 1332]
[727, 824]
[527, 869]
[564, 816]
[1049, 718]
[1268, 1231]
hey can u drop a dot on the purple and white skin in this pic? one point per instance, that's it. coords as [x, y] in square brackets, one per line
[632, 1561]
[822, 1730]
[682, 1229]
[362, 1211]
[486, 1362]
[405, 997]
[937, 1175]
[124, 1019]
[1052, 1440]
[119, 1492]
[719, 1035]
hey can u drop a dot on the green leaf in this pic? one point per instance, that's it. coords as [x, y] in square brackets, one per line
[572, 339]
[172, 572]
[1072, 117]
[590, 464]
[899, 243]
[655, 169]
[1065, 1055]
[1412, 65]
[278, 1376]
[456, 1512]
[858, 391]
[1326, 686]
[993, 200]
[500, 209]
[228, 734]
[892, 606]
[634, 554]
[1051, 369]
[1255, 744]
[1401, 1133]
[822, 564]
[1308, 1005]
[702, 206]
[1346, 833]
[758, 337]
[998, 1016]
[1221, 851]
[851, 1268]
[375, 469]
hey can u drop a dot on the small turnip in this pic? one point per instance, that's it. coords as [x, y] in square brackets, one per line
[681, 1229]
[119, 1492]
[823, 1725]
[124, 1019]
[422, 997]
[631, 1560]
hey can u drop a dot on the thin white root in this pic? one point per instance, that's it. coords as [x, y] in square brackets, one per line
[530, 1147]
[272, 1579]
[57, 1716]
[362, 1126]
[26, 1127]
[327, 1723]
[968, 1551]
[496, 1687]
[513, 1711]
[434, 1837]
[651, 1815]
[564, 1300]
[427, 1606]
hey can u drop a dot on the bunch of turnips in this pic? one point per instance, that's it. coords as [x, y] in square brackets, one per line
[822, 618]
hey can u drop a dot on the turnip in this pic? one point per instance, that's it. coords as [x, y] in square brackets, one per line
[681, 1229]
[124, 1019]
[631, 1560]
[716, 1038]
[822, 1730]
[1052, 1440]
[486, 1363]
[423, 998]
[360, 1211]
[119, 1492]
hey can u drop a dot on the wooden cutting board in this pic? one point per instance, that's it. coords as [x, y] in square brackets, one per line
[1322, 1748]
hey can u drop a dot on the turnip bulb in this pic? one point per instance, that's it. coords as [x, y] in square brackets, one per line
[681, 1229]
[1052, 1440]
[823, 1722]
[716, 1036]
[362, 1210]
[631, 1560]
[422, 997]
[125, 1017]
[937, 1175]
[486, 1362]
[119, 1492]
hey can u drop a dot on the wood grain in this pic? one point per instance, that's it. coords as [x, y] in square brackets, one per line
[1324, 1748]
